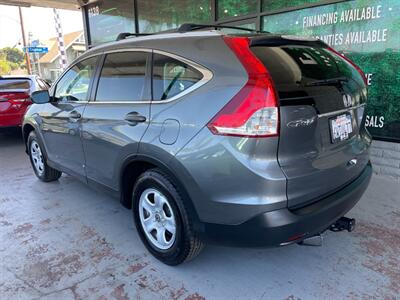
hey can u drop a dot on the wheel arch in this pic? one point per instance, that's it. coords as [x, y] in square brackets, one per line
[135, 165]
[26, 130]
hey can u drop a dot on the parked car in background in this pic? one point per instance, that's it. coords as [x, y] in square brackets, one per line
[241, 139]
[15, 97]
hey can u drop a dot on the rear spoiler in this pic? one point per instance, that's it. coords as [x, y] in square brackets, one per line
[283, 40]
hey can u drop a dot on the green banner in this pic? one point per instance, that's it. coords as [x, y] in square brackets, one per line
[368, 32]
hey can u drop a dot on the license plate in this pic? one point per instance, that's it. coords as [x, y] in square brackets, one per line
[341, 128]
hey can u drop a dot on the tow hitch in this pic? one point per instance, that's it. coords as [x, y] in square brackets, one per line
[343, 224]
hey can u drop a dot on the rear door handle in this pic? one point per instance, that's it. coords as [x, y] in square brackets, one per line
[74, 115]
[134, 118]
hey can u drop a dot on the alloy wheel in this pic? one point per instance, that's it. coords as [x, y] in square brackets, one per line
[37, 157]
[157, 219]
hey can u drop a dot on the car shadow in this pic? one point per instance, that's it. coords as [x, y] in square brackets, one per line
[10, 137]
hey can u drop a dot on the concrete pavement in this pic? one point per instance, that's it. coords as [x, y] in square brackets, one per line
[62, 240]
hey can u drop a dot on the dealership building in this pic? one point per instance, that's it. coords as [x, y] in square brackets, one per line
[367, 31]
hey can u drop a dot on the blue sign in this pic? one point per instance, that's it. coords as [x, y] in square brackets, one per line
[35, 43]
[37, 49]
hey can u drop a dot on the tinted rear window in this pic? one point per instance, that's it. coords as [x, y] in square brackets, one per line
[312, 76]
[303, 64]
[14, 84]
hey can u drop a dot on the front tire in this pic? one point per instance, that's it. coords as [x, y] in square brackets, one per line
[38, 160]
[162, 220]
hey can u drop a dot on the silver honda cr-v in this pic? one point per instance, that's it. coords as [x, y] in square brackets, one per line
[248, 139]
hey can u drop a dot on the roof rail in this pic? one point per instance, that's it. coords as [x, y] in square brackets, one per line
[124, 35]
[186, 27]
[190, 27]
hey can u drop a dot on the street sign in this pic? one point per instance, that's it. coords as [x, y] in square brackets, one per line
[36, 49]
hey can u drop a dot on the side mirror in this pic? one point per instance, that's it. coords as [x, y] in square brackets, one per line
[40, 97]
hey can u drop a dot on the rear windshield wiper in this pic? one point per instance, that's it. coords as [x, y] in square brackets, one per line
[330, 81]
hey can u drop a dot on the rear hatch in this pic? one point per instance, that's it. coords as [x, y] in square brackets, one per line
[14, 99]
[323, 143]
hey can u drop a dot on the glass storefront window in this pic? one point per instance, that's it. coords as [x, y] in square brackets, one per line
[270, 5]
[251, 25]
[235, 8]
[368, 33]
[108, 18]
[156, 16]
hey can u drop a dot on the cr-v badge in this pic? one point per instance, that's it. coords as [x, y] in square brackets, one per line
[301, 122]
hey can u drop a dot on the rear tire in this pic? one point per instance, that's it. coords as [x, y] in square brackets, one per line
[179, 242]
[39, 161]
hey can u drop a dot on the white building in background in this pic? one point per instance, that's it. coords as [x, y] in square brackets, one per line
[49, 63]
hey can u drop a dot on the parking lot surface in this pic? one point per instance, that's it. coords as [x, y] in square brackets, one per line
[62, 240]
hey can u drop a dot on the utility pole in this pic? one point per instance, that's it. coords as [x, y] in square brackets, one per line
[21, 21]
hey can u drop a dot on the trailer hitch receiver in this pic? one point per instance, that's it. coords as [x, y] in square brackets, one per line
[343, 224]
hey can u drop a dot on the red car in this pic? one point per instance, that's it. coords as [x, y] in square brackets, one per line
[15, 97]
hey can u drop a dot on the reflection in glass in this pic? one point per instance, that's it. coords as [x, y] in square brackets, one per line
[74, 85]
[108, 18]
[235, 8]
[268, 5]
[171, 77]
[156, 16]
[245, 25]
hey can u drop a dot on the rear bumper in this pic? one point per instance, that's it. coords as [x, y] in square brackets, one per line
[284, 226]
[11, 120]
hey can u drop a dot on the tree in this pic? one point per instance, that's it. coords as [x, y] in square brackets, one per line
[4, 67]
[13, 55]
[11, 59]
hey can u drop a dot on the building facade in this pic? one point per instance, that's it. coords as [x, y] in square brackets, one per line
[48, 65]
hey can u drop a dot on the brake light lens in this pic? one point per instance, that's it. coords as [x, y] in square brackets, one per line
[15, 97]
[253, 111]
[350, 62]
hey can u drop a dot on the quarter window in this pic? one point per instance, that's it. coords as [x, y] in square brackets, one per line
[172, 77]
[74, 85]
[123, 77]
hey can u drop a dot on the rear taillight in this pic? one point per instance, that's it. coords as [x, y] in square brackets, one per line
[253, 111]
[352, 63]
[15, 97]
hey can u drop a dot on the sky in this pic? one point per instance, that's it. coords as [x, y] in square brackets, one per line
[38, 20]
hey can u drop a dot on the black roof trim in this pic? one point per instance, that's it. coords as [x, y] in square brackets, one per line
[187, 27]
[191, 27]
[124, 35]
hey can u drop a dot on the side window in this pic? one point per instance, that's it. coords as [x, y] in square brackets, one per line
[172, 77]
[123, 77]
[74, 85]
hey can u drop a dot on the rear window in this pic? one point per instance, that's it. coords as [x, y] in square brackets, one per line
[304, 64]
[14, 84]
